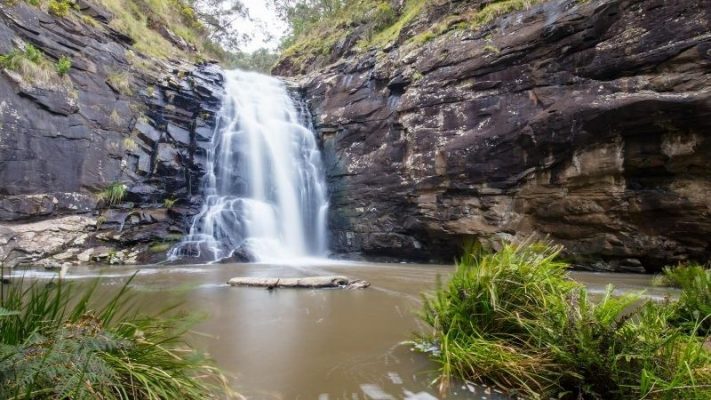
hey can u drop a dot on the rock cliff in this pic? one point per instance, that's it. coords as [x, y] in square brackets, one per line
[117, 119]
[585, 121]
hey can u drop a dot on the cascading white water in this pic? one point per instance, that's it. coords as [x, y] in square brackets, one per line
[265, 193]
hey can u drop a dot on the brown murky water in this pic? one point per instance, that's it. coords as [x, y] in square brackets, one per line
[315, 344]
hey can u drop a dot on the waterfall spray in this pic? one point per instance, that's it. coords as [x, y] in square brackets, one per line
[265, 193]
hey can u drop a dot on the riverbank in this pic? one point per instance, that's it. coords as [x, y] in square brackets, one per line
[308, 343]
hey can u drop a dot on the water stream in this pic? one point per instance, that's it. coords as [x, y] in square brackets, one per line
[265, 194]
[312, 344]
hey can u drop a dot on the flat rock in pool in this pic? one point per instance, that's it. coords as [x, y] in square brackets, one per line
[310, 282]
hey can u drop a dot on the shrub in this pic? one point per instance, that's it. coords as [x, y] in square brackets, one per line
[64, 64]
[113, 194]
[515, 320]
[60, 8]
[15, 58]
[33, 54]
[55, 342]
[169, 203]
[31, 64]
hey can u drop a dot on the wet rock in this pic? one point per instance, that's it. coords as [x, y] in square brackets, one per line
[62, 142]
[590, 125]
[311, 282]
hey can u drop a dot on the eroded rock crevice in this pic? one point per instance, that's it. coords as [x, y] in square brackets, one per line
[117, 118]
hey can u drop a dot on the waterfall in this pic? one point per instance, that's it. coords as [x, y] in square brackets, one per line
[265, 193]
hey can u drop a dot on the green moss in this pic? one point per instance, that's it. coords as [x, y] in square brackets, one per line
[160, 247]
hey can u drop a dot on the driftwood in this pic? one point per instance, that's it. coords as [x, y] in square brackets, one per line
[310, 282]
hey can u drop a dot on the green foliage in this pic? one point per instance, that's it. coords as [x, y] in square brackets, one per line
[33, 54]
[261, 60]
[113, 194]
[15, 58]
[693, 310]
[59, 342]
[142, 20]
[169, 203]
[498, 8]
[515, 320]
[375, 24]
[60, 8]
[316, 26]
[64, 64]
[31, 64]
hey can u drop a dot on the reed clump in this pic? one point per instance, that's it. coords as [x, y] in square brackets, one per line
[513, 319]
[56, 343]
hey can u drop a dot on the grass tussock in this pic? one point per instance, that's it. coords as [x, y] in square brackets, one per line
[60, 342]
[693, 309]
[121, 82]
[142, 20]
[35, 69]
[514, 319]
[113, 194]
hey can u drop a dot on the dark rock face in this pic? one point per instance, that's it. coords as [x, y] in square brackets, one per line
[588, 122]
[119, 117]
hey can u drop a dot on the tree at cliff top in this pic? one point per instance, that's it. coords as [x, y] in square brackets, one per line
[320, 31]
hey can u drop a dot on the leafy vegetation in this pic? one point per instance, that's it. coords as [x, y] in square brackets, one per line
[60, 8]
[515, 320]
[317, 26]
[64, 64]
[261, 60]
[113, 194]
[59, 342]
[31, 64]
[693, 310]
[169, 203]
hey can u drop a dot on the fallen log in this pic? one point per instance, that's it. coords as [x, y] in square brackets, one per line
[309, 282]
